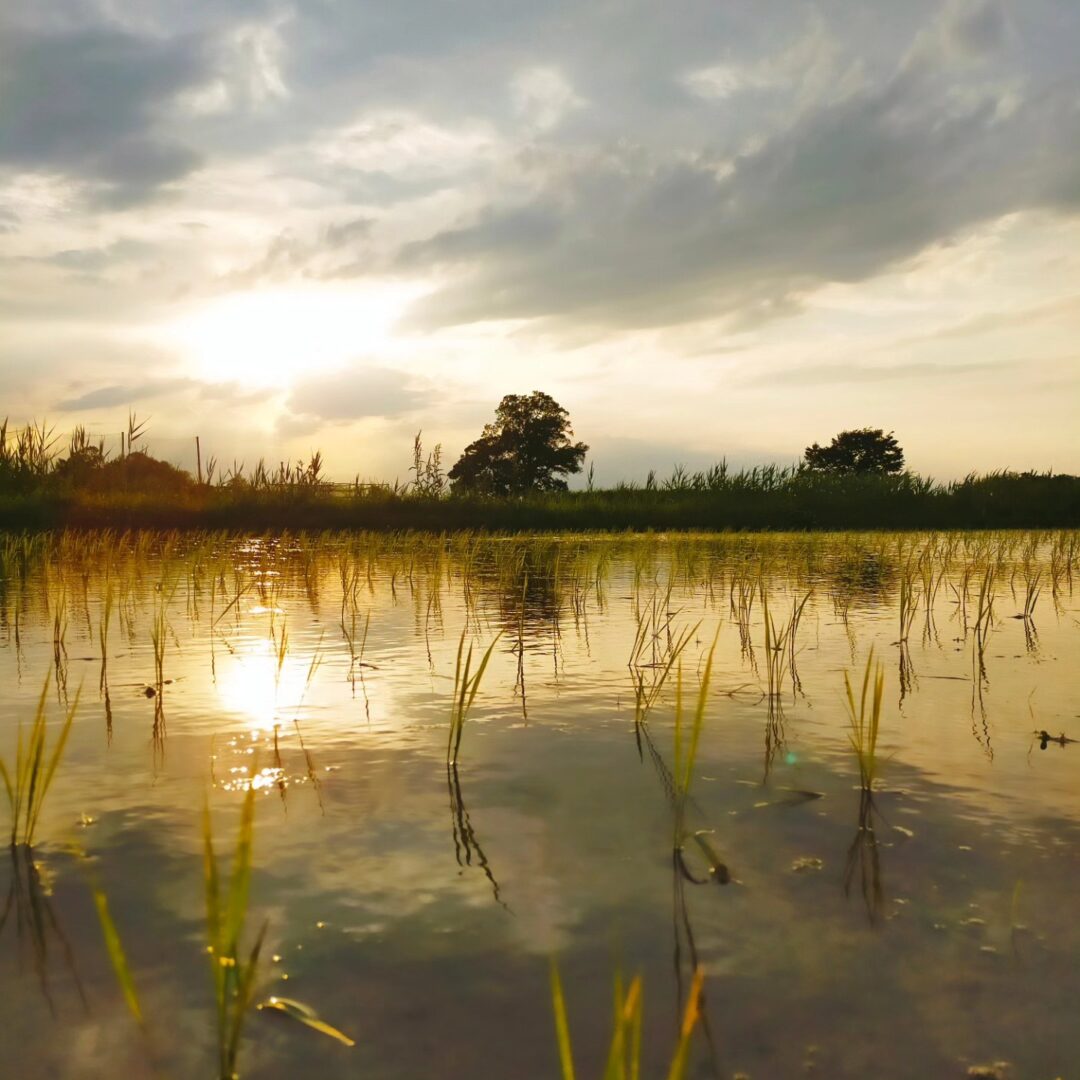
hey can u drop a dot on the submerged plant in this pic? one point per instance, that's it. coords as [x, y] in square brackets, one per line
[35, 770]
[624, 1051]
[226, 915]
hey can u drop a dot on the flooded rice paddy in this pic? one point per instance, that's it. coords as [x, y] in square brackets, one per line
[904, 910]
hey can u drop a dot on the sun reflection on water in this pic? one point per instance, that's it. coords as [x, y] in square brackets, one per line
[253, 686]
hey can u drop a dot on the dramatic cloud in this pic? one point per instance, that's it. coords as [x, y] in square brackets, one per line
[736, 228]
[85, 101]
[847, 191]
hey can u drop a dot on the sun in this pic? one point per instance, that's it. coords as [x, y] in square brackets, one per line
[272, 337]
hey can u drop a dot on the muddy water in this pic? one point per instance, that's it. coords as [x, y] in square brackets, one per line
[915, 927]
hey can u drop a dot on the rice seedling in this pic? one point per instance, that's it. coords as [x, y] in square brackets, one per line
[780, 648]
[909, 598]
[864, 722]
[864, 719]
[160, 629]
[1031, 596]
[281, 651]
[356, 650]
[656, 650]
[686, 742]
[984, 618]
[466, 686]
[233, 972]
[624, 1051]
[108, 602]
[27, 787]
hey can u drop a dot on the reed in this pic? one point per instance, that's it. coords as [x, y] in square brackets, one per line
[27, 787]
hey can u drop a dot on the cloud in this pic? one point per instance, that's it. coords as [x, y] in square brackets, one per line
[83, 100]
[107, 397]
[336, 250]
[112, 396]
[357, 393]
[625, 237]
[849, 374]
[543, 97]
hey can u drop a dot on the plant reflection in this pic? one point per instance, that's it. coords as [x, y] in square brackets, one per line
[36, 925]
[863, 864]
[467, 847]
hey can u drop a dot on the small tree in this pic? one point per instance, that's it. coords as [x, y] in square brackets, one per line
[867, 450]
[528, 448]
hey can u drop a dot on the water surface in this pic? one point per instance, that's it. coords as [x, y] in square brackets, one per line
[913, 929]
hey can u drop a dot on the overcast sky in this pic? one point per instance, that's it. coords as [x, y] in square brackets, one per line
[707, 228]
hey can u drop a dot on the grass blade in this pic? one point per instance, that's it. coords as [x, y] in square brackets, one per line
[562, 1026]
[117, 956]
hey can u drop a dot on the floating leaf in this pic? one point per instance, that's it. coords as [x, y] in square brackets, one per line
[304, 1014]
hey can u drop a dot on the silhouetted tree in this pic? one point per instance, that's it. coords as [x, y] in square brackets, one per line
[867, 450]
[528, 448]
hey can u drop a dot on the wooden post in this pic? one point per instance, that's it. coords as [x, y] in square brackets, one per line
[198, 460]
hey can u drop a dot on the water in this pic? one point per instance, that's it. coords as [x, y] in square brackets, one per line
[916, 930]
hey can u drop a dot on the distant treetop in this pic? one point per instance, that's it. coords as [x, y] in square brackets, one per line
[527, 448]
[862, 451]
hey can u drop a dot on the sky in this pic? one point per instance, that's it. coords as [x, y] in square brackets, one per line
[708, 229]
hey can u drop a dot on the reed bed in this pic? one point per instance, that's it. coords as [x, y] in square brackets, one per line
[45, 485]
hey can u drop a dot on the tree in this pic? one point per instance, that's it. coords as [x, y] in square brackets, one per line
[528, 448]
[867, 450]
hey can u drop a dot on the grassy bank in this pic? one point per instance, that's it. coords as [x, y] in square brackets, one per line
[781, 501]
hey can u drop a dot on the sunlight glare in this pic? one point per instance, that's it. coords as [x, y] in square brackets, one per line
[269, 337]
[250, 686]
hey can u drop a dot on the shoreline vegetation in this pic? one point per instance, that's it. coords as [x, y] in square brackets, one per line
[45, 488]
